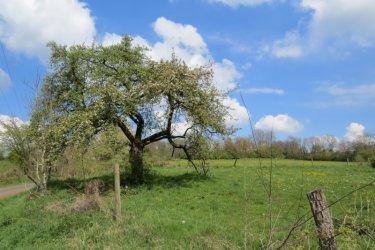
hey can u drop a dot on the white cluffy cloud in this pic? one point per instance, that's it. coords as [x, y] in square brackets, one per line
[279, 123]
[27, 26]
[5, 80]
[237, 3]
[262, 91]
[354, 130]
[185, 42]
[333, 23]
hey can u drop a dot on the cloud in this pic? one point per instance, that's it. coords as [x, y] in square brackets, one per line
[5, 80]
[332, 26]
[289, 46]
[27, 26]
[354, 130]
[237, 3]
[262, 91]
[246, 66]
[349, 21]
[361, 95]
[181, 39]
[238, 113]
[292, 51]
[336, 90]
[176, 33]
[111, 39]
[279, 123]
[225, 75]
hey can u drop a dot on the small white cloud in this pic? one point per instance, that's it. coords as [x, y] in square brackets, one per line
[367, 89]
[140, 41]
[246, 66]
[356, 96]
[288, 51]
[27, 26]
[280, 123]
[354, 130]
[237, 3]
[111, 39]
[5, 80]
[262, 91]
[179, 34]
[289, 46]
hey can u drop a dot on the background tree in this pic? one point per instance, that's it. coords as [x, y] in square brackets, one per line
[293, 148]
[262, 142]
[23, 152]
[243, 145]
[2, 153]
[93, 87]
[232, 151]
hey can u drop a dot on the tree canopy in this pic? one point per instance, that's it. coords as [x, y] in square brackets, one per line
[92, 87]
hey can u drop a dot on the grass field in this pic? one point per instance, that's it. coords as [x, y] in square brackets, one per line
[177, 209]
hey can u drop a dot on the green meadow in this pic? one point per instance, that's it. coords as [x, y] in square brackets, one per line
[177, 209]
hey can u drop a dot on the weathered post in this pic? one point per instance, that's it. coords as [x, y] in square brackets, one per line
[116, 171]
[323, 220]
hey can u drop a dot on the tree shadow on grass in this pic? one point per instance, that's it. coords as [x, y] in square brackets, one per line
[152, 180]
[182, 180]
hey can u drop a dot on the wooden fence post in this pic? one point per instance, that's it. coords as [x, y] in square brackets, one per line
[323, 220]
[116, 171]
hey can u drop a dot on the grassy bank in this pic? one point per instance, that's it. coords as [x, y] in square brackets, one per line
[177, 209]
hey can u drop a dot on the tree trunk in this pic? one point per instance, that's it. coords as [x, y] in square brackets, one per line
[323, 220]
[136, 162]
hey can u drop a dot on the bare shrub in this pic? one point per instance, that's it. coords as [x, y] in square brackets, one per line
[91, 198]
[94, 187]
[85, 203]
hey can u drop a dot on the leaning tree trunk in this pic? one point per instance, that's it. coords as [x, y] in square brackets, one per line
[136, 162]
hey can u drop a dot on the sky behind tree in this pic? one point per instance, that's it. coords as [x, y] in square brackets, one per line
[303, 67]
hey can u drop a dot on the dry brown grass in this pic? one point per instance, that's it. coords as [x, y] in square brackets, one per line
[90, 200]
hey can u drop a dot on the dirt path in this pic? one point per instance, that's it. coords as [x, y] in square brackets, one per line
[13, 190]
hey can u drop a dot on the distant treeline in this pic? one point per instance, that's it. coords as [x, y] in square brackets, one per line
[320, 148]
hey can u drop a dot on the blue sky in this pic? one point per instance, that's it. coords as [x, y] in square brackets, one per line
[303, 67]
